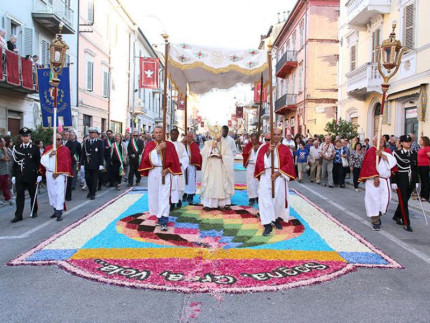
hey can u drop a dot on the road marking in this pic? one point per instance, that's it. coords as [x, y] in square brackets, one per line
[41, 226]
[388, 235]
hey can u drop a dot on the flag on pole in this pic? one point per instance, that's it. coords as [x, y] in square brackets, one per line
[181, 103]
[239, 112]
[149, 73]
[257, 93]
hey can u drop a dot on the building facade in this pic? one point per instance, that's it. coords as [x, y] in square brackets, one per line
[35, 24]
[362, 27]
[306, 67]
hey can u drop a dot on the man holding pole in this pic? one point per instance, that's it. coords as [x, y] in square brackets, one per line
[249, 157]
[160, 160]
[134, 150]
[183, 160]
[195, 164]
[57, 166]
[26, 159]
[377, 181]
[274, 210]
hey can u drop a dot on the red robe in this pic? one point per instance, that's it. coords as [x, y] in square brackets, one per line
[247, 152]
[285, 161]
[63, 160]
[368, 168]
[196, 157]
[170, 156]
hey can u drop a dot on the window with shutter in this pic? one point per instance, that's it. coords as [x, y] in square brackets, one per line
[353, 54]
[90, 74]
[408, 24]
[8, 27]
[376, 39]
[44, 53]
[28, 41]
[90, 16]
[105, 89]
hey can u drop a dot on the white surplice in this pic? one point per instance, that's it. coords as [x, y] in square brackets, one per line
[180, 180]
[191, 187]
[228, 151]
[251, 181]
[56, 187]
[159, 194]
[273, 208]
[216, 189]
[377, 199]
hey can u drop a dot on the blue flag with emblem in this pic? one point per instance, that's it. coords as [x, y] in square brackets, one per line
[64, 111]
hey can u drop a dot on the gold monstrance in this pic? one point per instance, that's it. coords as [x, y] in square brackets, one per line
[215, 132]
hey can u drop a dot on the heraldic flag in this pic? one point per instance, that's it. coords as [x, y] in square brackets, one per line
[46, 94]
[149, 73]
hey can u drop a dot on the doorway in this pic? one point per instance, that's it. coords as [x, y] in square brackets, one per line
[14, 122]
[411, 121]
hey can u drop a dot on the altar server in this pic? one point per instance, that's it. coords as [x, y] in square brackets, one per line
[183, 160]
[249, 157]
[195, 164]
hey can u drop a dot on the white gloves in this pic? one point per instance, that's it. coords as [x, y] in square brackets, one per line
[13, 180]
[394, 186]
[101, 167]
[39, 179]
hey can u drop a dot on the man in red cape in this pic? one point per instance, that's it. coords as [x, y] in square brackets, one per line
[195, 164]
[274, 210]
[249, 155]
[377, 182]
[57, 167]
[151, 165]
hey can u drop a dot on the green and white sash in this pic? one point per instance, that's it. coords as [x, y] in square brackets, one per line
[119, 155]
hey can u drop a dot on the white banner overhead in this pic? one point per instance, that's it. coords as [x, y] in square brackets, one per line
[206, 68]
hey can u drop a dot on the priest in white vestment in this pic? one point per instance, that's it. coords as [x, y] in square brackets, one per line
[176, 196]
[228, 155]
[217, 188]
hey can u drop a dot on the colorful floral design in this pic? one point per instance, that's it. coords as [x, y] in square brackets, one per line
[200, 54]
[251, 64]
[183, 59]
[216, 251]
[234, 58]
[253, 52]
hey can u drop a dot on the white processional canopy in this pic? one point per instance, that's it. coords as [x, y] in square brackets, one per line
[206, 68]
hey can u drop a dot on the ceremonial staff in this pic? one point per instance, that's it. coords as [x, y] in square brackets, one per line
[186, 130]
[166, 59]
[389, 56]
[57, 49]
[272, 157]
[260, 109]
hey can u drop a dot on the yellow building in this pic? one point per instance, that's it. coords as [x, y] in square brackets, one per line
[363, 24]
[307, 56]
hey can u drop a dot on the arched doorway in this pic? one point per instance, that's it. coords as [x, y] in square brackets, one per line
[376, 116]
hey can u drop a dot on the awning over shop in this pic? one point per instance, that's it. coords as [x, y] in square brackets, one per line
[206, 68]
[402, 94]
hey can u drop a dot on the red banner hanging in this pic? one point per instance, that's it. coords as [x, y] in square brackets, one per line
[257, 92]
[181, 103]
[230, 123]
[27, 73]
[149, 68]
[239, 112]
[12, 69]
[233, 116]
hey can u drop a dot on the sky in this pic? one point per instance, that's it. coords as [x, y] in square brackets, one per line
[220, 23]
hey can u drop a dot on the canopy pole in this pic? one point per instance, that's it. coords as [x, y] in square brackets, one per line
[186, 131]
[272, 155]
[260, 110]
[166, 59]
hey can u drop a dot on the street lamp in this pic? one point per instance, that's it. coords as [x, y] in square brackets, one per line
[57, 59]
[389, 57]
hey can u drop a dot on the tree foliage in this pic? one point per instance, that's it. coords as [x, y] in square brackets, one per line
[40, 133]
[344, 129]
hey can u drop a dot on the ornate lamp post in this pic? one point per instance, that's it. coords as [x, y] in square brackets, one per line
[57, 49]
[389, 57]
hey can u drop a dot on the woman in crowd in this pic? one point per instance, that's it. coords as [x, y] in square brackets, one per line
[355, 161]
[4, 172]
[338, 172]
[423, 167]
[118, 155]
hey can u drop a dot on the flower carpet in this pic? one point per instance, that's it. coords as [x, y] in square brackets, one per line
[206, 251]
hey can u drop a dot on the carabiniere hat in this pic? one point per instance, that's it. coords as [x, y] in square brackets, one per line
[405, 138]
[92, 129]
[25, 132]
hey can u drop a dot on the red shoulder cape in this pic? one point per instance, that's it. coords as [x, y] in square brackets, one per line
[196, 157]
[247, 152]
[63, 161]
[368, 168]
[170, 157]
[285, 161]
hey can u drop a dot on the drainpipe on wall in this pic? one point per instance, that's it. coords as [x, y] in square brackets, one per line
[305, 69]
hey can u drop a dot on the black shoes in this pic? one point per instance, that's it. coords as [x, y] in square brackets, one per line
[398, 220]
[15, 220]
[267, 229]
[92, 197]
[278, 224]
[184, 198]
[163, 227]
[179, 204]
[89, 195]
[53, 215]
[251, 202]
[408, 228]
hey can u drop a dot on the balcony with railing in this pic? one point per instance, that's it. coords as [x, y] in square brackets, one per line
[359, 12]
[285, 103]
[286, 64]
[50, 13]
[16, 73]
[362, 80]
